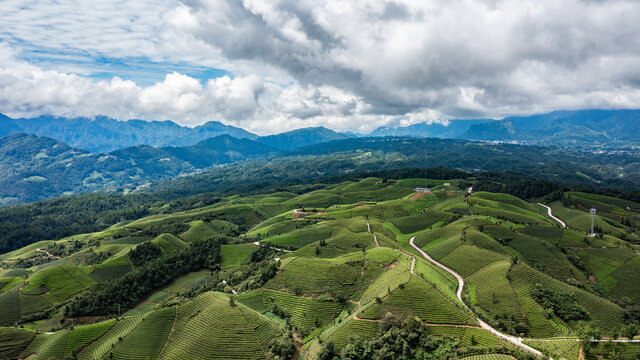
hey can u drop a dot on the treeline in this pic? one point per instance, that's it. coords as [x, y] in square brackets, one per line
[515, 184]
[127, 291]
[23, 224]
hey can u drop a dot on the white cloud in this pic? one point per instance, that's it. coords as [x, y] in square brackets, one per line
[235, 98]
[177, 95]
[27, 90]
[402, 56]
[346, 65]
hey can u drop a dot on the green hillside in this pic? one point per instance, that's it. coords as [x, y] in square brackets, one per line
[331, 270]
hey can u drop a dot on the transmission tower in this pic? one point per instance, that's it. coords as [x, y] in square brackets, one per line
[593, 217]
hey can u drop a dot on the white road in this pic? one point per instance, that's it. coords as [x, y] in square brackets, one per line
[375, 238]
[257, 243]
[413, 260]
[592, 340]
[552, 216]
[514, 340]
[47, 253]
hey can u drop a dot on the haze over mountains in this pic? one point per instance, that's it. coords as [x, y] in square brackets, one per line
[610, 128]
[577, 129]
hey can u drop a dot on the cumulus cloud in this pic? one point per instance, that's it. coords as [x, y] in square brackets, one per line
[235, 98]
[27, 90]
[346, 65]
[177, 94]
[464, 58]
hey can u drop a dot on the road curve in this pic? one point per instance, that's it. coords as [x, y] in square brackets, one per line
[514, 340]
[552, 216]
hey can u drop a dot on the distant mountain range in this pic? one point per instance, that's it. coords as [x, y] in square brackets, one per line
[70, 159]
[571, 129]
[452, 130]
[104, 134]
[580, 128]
[34, 168]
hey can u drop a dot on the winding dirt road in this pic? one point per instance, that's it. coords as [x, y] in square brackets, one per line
[47, 253]
[375, 238]
[552, 216]
[514, 340]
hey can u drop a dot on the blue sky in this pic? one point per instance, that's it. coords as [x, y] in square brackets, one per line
[142, 71]
[270, 66]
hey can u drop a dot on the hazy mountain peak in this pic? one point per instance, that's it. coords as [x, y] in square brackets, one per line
[103, 134]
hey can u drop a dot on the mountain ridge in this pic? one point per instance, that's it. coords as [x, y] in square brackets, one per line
[452, 129]
[608, 128]
[104, 134]
[299, 138]
[591, 128]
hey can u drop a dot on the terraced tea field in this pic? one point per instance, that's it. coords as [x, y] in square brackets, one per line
[327, 280]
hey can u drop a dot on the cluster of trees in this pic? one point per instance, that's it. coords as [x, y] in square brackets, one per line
[176, 226]
[515, 184]
[38, 259]
[144, 253]
[282, 348]
[409, 339]
[245, 278]
[563, 305]
[128, 290]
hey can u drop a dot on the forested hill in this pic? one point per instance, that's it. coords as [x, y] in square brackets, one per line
[34, 168]
[299, 138]
[542, 162]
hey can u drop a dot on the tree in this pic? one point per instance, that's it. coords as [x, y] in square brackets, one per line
[631, 331]
[615, 332]
[327, 352]
[586, 334]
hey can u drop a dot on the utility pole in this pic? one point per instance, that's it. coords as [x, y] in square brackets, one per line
[593, 216]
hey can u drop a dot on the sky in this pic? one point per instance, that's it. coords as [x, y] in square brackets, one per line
[276, 65]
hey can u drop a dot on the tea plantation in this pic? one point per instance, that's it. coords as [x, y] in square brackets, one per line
[319, 271]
